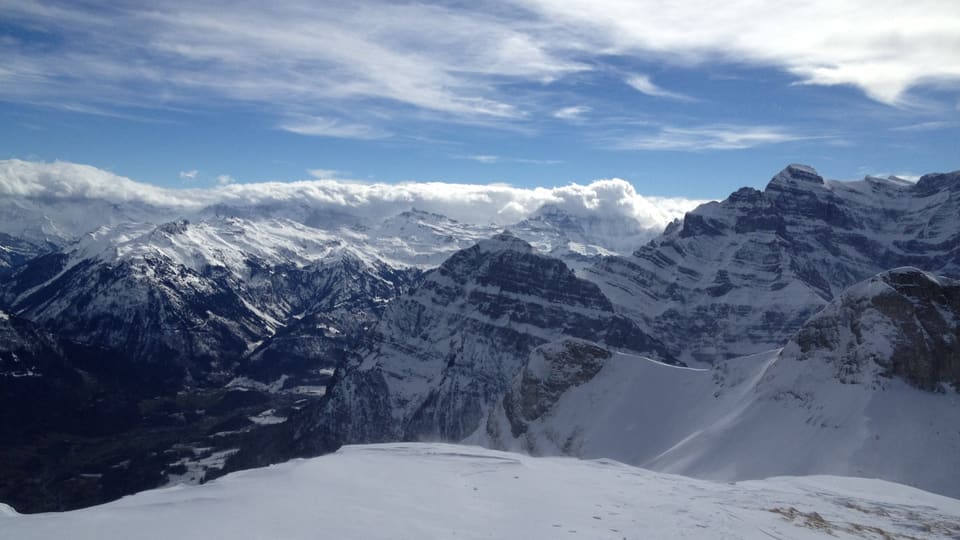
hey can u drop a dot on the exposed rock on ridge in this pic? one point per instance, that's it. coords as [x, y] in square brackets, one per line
[903, 323]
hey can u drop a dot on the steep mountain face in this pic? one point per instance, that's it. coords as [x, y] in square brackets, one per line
[15, 251]
[447, 350]
[49, 385]
[552, 370]
[902, 323]
[741, 276]
[63, 407]
[345, 300]
[850, 394]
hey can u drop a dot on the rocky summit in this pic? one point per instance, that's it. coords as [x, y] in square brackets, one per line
[742, 275]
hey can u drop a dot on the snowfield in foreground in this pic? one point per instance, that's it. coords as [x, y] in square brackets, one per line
[446, 491]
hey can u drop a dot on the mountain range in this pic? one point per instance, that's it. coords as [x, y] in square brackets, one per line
[808, 328]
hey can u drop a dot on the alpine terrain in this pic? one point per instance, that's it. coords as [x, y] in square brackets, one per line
[811, 328]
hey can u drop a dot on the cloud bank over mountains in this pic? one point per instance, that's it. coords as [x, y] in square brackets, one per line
[495, 203]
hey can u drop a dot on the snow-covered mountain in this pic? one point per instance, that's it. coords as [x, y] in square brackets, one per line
[198, 296]
[740, 276]
[402, 224]
[444, 352]
[15, 251]
[279, 277]
[868, 388]
[445, 491]
[581, 239]
[334, 313]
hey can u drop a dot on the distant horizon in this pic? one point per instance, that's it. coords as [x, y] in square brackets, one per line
[679, 100]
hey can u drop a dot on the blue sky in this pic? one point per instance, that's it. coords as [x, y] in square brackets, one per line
[681, 100]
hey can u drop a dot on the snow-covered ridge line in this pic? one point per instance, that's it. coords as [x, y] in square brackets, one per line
[449, 491]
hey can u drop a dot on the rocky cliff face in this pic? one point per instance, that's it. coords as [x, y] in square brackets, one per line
[742, 275]
[443, 353]
[551, 370]
[902, 323]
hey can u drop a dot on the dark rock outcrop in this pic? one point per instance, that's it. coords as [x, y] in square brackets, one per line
[902, 323]
[551, 370]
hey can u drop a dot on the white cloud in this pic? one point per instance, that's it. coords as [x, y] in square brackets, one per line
[883, 47]
[529, 161]
[490, 159]
[328, 127]
[927, 126]
[575, 112]
[642, 83]
[330, 61]
[496, 203]
[483, 158]
[323, 174]
[713, 137]
[225, 179]
[189, 175]
[300, 57]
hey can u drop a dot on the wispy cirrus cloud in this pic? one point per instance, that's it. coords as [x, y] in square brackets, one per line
[552, 73]
[294, 56]
[482, 158]
[318, 126]
[461, 61]
[927, 126]
[575, 112]
[489, 159]
[642, 83]
[711, 137]
[323, 174]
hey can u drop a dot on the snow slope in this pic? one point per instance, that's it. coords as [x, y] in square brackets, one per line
[747, 418]
[420, 491]
[867, 387]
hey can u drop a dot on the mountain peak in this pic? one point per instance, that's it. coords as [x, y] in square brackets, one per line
[504, 241]
[796, 173]
[907, 276]
[174, 227]
[939, 181]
